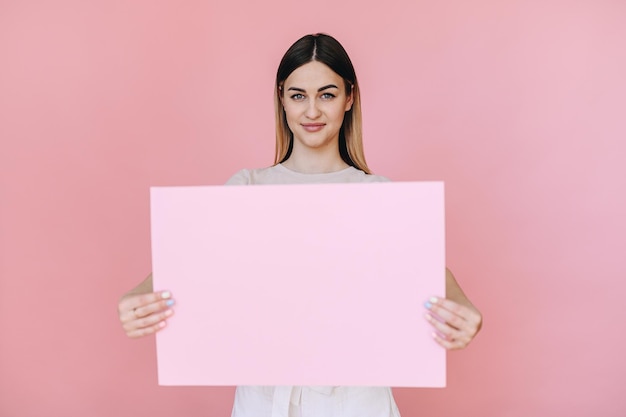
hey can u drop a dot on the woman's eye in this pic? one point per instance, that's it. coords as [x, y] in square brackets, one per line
[297, 97]
[328, 96]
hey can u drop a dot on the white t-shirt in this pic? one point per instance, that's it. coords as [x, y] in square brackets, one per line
[310, 401]
[279, 174]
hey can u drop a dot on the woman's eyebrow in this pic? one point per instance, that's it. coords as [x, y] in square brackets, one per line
[326, 87]
[302, 90]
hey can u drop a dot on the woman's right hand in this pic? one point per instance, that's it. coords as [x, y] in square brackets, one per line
[144, 314]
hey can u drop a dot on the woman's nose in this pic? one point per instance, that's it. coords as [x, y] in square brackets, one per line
[312, 111]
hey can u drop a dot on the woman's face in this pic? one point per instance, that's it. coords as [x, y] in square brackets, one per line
[315, 101]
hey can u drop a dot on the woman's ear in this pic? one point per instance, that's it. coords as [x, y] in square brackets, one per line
[280, 95]
[350, 98]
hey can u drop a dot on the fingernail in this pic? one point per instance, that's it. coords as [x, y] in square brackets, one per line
[166, 294]
[428, 305]
[169, 303]
[428, 317]
[168, 313]
[162, 324]
[433, 300]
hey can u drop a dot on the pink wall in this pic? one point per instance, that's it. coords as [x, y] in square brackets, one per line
[519, 106]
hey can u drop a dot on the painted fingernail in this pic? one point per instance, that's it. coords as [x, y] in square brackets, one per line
[428, 305]
[162, 324]
[169, 303]
[433, 300]
[166, 294]
[428, 317]
[168, 313]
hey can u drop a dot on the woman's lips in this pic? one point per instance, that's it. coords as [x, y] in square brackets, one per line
[313, 127]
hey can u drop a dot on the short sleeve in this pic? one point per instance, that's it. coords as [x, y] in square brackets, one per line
[240, 178]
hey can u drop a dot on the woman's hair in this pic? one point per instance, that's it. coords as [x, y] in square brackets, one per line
[327, 50]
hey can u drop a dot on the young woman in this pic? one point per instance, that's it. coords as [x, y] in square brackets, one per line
[318, 139]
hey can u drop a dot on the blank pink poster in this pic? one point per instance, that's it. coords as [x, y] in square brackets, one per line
[319, 284]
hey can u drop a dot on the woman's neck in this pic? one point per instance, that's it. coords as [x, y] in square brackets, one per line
[315, 163]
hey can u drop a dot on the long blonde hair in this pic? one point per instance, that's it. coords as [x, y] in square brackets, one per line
[327, 50]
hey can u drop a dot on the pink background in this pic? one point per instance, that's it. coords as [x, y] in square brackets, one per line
[518, 105]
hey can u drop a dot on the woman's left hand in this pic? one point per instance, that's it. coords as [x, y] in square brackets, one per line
[455, 324]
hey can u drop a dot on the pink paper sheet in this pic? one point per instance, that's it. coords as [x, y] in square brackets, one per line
[319, 284]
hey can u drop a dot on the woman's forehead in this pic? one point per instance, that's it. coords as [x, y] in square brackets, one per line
[313, 74]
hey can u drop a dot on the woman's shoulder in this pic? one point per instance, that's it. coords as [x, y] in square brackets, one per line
[251, 176]
[241, 177]
[372, 177]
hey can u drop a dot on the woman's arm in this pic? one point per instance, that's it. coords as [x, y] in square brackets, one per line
[455, 319]
[144, 287]
[455, 293]
[142, 311]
